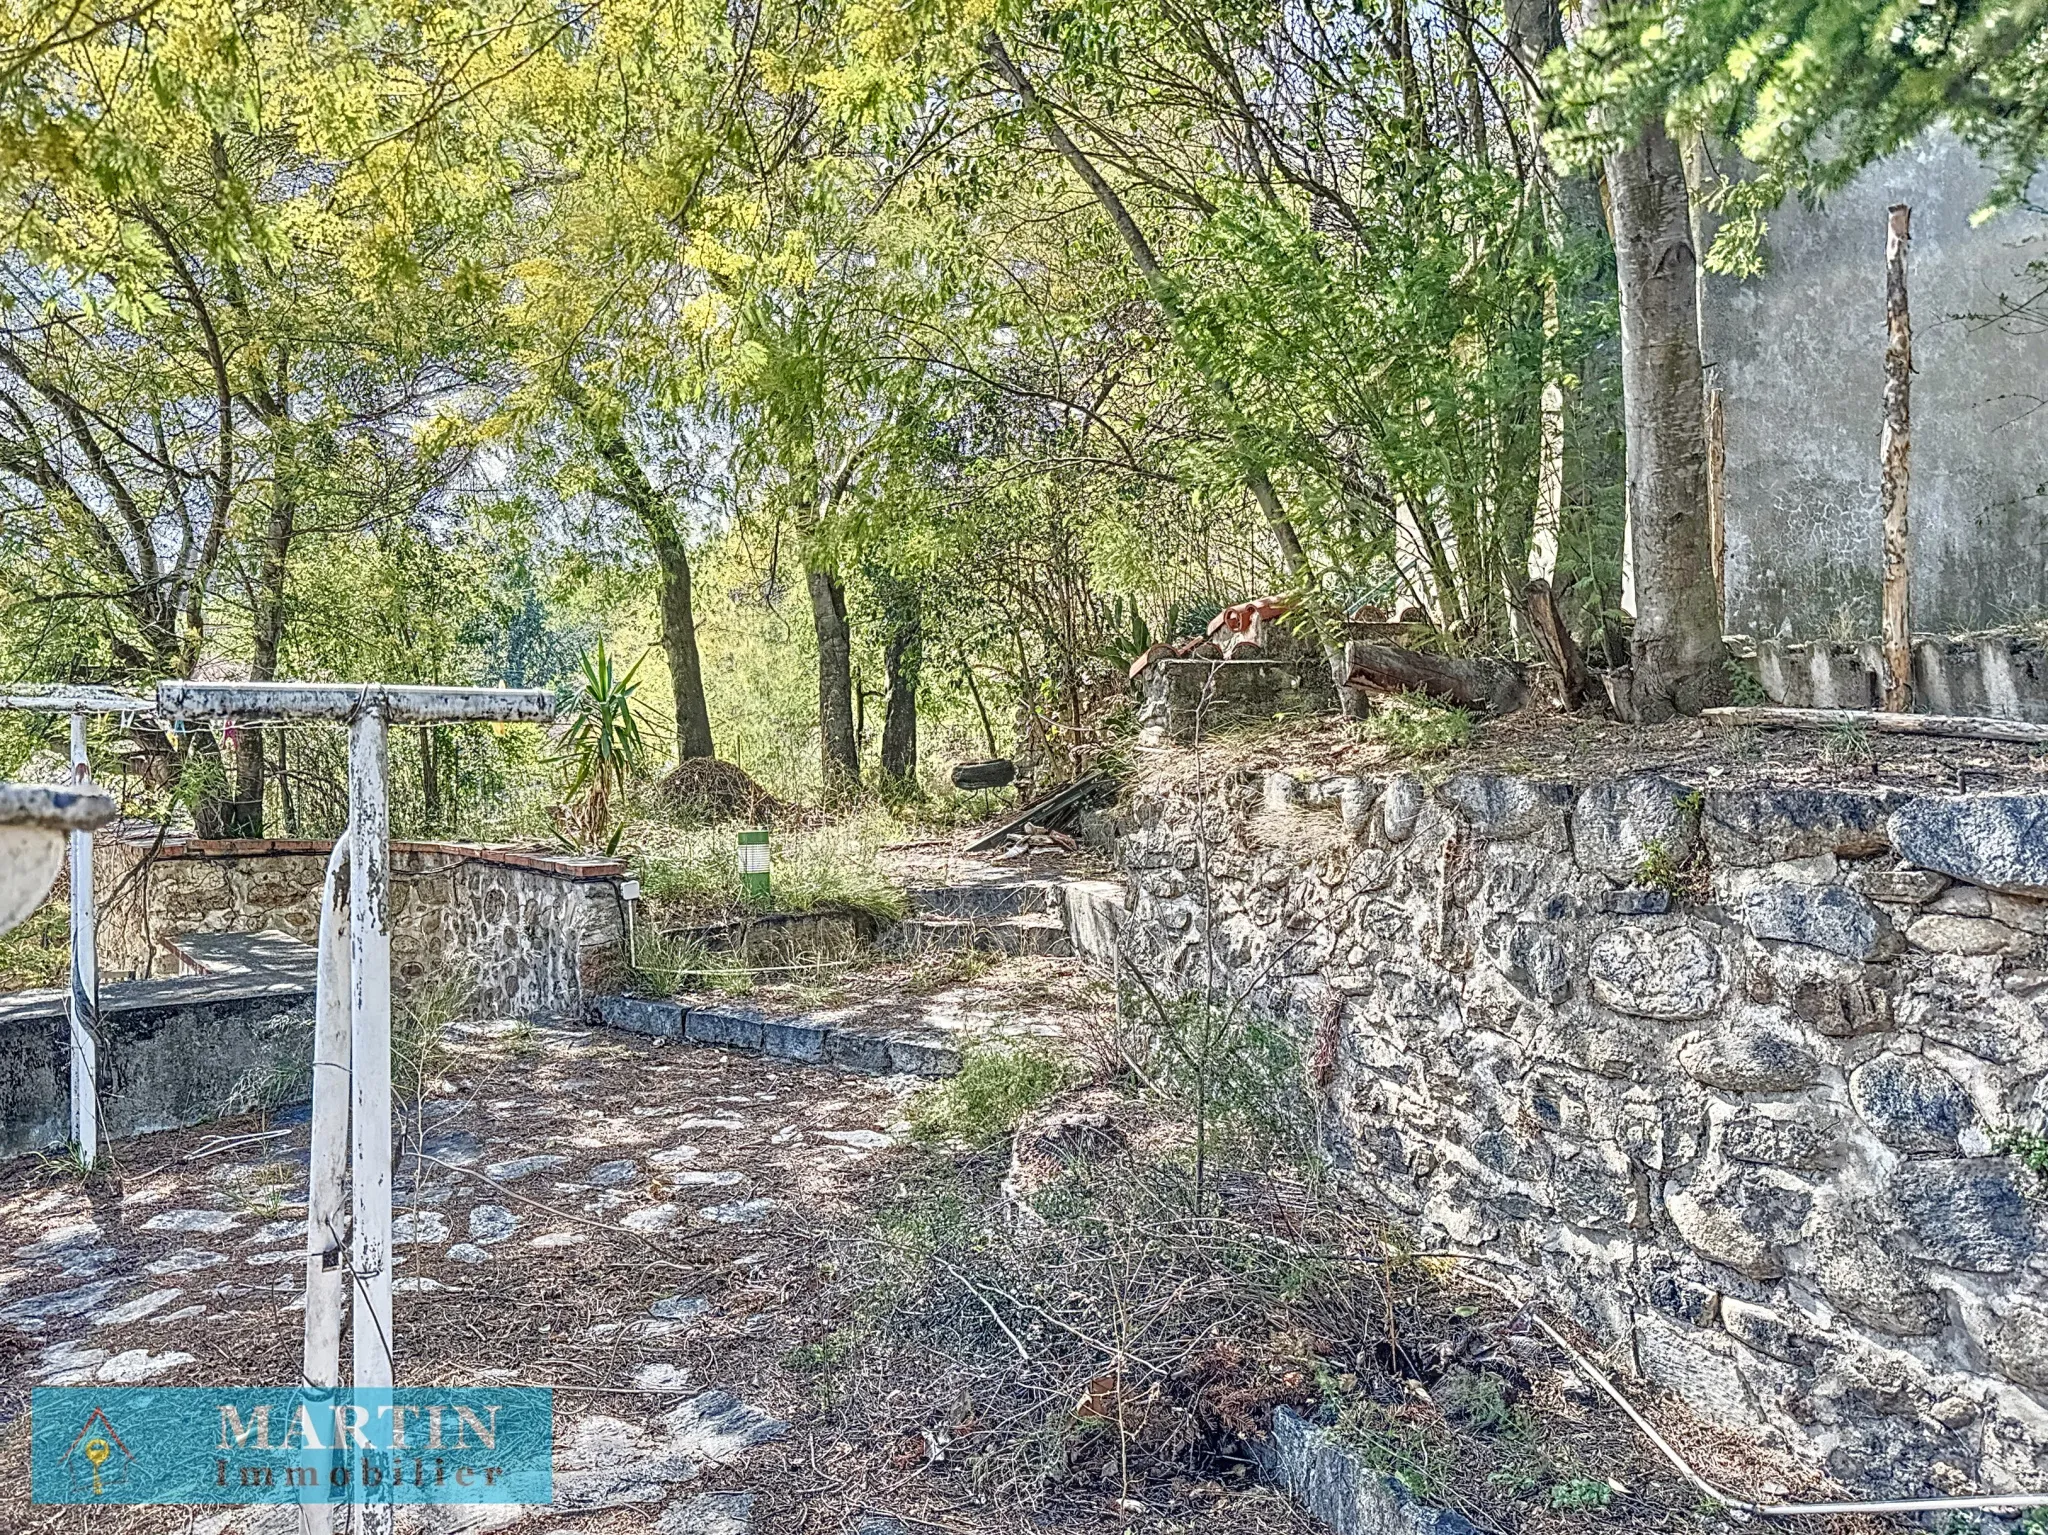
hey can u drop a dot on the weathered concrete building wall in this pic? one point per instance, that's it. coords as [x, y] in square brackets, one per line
[172, 1052]
[1743, 1127]
[1798, 355]
[529, 933]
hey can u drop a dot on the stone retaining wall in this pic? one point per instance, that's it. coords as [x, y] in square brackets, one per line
[531, 934]
[1717, 1073]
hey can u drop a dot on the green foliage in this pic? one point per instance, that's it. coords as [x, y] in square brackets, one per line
[1808, 93]
[600, 746]
[997, 1086]
[37, 953]
[1417, 726]
[690, 875]
[1745, 688]
[2028, 1147]
[1581, 1495]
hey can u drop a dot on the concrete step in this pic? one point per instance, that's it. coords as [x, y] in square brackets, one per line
[1030, 934]
[994, 899]
[799, 1039]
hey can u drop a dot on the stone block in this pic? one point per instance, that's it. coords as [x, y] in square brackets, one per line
[1616, 824]
[1503, 808]
[1960, 935]
[1769, 824]
[1338, 1487]
[1715, 1227]
[852, 1050]
[641, 1015]
[1750, 1056]
[1819, 916]
[1589, 1192]
[1901, 885]
[2016, 1343]
[1535, 961]
[1999, 841]
[923, 1058]
[1858, 1269]
[1667, 973]
[1911, 1103]
[1770, 1332]
[793, 1039]
[733, 1026]
[1802, 1137]
[1400, 807]
[1969, 1213]
[1687, 1299]
[1845, 1005]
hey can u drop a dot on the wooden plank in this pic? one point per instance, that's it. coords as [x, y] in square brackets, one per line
[1069, 799]
[1962, 727]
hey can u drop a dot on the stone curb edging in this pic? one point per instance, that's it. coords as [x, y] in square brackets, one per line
[784, 1039]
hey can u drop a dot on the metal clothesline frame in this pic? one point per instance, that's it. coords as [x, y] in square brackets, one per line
[349, 1169]
[83, 1004]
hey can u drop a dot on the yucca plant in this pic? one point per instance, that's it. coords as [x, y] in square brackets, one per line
[599, 747]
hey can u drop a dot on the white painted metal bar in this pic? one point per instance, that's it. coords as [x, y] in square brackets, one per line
[34, 821]
[85, 974]
[327, 1174]
[84, 1004]
[369, 710]
[27, 697]
[346, 700]
[369, 952]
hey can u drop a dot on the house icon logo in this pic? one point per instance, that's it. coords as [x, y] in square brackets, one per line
[97, 1460]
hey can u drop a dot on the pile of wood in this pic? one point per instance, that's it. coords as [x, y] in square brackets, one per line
[1250, 631]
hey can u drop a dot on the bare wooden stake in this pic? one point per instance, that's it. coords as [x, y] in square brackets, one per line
[1895, 466]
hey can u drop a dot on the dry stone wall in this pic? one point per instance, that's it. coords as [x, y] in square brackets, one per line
[527, 934]
[1719, 1073]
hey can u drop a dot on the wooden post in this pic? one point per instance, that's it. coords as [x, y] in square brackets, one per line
[85, 974]
[1895, 466]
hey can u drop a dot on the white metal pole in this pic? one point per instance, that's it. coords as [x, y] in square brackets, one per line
[369, 947]
[369, 944]
[327, 1174]
[85, 975]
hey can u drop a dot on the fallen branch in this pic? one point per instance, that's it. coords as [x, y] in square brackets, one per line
[1963, 727]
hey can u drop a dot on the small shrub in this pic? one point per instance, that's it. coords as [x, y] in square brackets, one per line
[1414, 725]
[2030, 1149]
[1744, 687]
[996, 1088]
[1581, 1495]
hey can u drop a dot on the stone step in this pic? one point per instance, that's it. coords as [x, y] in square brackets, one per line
[798, 1039]
[987, 901]
[1030, 934]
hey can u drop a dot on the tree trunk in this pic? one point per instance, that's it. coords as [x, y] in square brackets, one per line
[839, 745]
[679, 645]
[242, 815]
[902, 659]
[632, 489]
[1678, 660]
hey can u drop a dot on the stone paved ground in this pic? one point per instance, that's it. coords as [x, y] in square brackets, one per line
[637, 1224]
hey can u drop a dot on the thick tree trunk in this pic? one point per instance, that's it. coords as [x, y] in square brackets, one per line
[679, 645]
[902, 659]
[1678, 660]
[839, 744]
[242, 814]
[634, 490]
